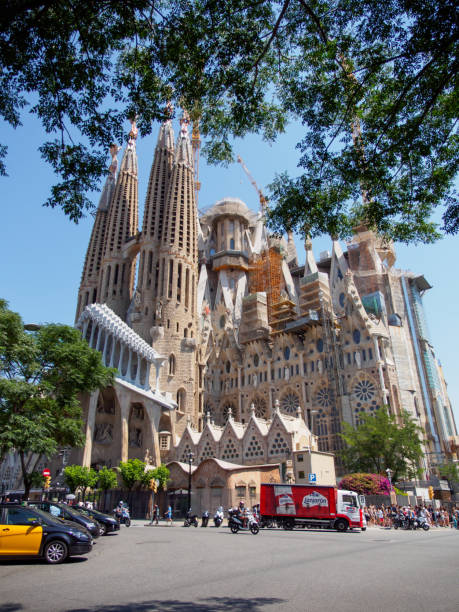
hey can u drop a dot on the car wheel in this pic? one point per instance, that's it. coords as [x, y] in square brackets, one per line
[341, 525]
[56, 551]
[102, 529]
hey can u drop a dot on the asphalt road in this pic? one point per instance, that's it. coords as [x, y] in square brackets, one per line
[174, 569]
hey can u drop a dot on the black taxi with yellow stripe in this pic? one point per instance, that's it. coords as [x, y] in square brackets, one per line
[29, 532]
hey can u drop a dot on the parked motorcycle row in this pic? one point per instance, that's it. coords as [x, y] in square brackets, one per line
[405, 522]
[237, 520]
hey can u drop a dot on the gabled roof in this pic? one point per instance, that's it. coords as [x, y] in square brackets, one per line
[238, 428]
[184, 466]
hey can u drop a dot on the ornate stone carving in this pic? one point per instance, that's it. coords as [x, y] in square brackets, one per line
[103, 433]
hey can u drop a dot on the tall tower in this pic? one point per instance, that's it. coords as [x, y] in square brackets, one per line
[90, 278]
[148, 287]
[118, 272]
[175, 331]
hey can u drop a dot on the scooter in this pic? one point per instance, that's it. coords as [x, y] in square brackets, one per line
[205, 518]
[191, 519]
[122, 516]
[246, 523]
[218, 517]
[420, 522]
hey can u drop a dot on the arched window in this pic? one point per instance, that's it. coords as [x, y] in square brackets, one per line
[181, 400]
[171, 365]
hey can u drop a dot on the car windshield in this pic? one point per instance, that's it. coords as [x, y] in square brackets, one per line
[46, 516]
[74, 511]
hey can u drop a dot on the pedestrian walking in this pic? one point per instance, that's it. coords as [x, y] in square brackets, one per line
[169, 516]
[156, 514]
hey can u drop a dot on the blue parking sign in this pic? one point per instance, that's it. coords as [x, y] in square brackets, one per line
[312, 477]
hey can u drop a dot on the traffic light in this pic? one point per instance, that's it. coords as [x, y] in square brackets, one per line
[47, 482]
[153, 486]
[431, 493]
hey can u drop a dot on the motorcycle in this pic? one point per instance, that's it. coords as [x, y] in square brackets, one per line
[218, 517]
[248, 522]
[400, 521]
[205, 518]
[420, 522]
[191, 519]
[122, 516]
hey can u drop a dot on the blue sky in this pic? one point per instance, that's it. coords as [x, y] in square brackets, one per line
[42, 252]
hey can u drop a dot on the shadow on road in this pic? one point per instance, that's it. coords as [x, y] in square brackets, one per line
[10, 607]
[212, 604]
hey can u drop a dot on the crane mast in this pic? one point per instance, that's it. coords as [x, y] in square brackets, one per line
[263, 200]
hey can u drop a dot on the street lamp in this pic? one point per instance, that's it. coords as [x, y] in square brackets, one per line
[190, 461]
[389, 477]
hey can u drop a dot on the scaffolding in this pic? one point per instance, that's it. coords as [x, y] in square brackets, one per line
[265, 274]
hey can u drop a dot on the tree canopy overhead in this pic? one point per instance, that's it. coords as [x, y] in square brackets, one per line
[374, 84]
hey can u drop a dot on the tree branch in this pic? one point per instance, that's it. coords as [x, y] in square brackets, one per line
[268, 44]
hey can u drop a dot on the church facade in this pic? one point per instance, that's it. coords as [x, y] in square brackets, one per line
[253, 355]
[226, 347]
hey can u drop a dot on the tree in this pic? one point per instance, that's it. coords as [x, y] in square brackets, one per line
[160, 473]
[380, 443]
[41, 375]
[107, 479]
[78, 476]
[132, 472]
[450, 471]
[373, 82]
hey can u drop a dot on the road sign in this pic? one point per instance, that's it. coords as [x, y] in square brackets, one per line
[312, 477]
[46, 472]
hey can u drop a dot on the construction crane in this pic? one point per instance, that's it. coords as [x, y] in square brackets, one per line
[263, 200]
[196, 145]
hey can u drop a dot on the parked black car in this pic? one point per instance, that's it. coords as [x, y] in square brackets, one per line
[107, 524]
[69, 513]
[30, 532]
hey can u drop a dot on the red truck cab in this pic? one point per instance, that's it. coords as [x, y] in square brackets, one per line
[311, 506]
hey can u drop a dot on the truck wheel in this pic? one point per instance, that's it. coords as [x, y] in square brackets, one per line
[341, 525]
[289, 524]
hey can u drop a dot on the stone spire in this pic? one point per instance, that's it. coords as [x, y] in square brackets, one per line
[178, 275]
[147, 311]
[117, 278]
[90, 278]
[310, 266]
[292, 255]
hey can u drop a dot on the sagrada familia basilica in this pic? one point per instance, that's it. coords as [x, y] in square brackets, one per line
[225, 346]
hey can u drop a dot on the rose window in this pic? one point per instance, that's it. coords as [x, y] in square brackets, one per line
[324, 397]
[290, 403]
[260, 407]
[364, 390]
